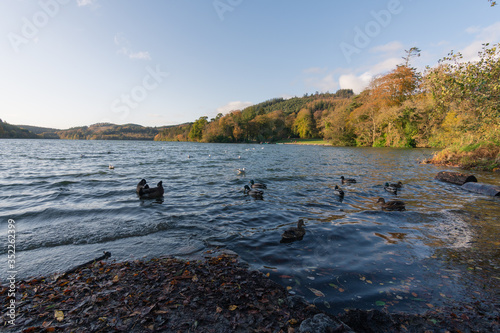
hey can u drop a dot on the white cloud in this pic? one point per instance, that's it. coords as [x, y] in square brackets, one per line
[385, 66]
[473, 30]
[323, 84]
[358, 82]
[391, 47]
[489, 34]
[231, 106]
[355, 82]
[125, 48]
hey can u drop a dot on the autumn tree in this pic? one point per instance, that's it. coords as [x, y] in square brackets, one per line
[196, 133]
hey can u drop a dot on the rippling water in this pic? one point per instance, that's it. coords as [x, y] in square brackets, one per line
[69, 207]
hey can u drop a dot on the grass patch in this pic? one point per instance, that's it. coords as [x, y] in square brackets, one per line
[478, 156]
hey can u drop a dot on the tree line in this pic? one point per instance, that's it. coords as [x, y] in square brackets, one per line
[454, 102]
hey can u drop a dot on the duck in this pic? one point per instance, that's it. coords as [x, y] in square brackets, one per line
[347, 180]
[338, 191]
[390, 188]
[257, 185]
[294, 233]
[154, 192]
[391, 205]
[142, 184]
[240, 171]
[257, 194]
[396, 185]
[111, 167]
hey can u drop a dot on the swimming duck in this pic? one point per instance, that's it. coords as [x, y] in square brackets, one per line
[390, 188]
[397, 185]
[111, 167]
[294, 233]
[240, 171]
[154, 192]
[338, 191]
[257, 194]
[347, 180]
[391, 205]
[142, 184]
[257, 185]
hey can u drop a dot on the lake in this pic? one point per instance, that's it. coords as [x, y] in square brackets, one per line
[69, 207]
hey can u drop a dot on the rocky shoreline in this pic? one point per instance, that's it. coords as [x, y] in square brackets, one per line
[216, 294]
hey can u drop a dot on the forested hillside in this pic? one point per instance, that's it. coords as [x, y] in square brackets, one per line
[106, 131]
[454, 104]
[12, 131]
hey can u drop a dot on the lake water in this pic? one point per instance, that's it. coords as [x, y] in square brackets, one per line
[443, 250]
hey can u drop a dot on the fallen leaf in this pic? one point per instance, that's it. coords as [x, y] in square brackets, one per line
[288, 288]
[316, 292]
[59, 315]
[218, 310]
[341, 290]
[116, 279]
[233, 307]
[379, 303]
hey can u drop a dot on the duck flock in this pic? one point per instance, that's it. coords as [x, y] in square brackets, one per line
[255, 190]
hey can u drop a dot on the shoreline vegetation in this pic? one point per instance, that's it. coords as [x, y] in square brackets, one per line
[216, 293]
[454, 106]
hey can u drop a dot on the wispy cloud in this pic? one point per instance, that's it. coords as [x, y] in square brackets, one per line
[391, 48]
[322, 83]
[489, 34]
[359, 81]
[124, 47]
[232, 106]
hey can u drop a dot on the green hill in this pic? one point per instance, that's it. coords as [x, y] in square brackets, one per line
[13, 131]
[106, 131]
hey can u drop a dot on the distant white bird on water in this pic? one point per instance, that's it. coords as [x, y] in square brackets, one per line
[111, 167]
[240, 171]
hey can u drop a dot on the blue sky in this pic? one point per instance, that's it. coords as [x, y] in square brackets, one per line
[66, 63]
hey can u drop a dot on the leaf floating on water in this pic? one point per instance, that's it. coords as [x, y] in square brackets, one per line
[362, 278]
[310, 277]
[379, 303]
[218, 309]
[341, 290]
[333, 285]
[326, 304]
[414, 294]
[59, 315]
[316, 292]
[233, 307]
[288, 288]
